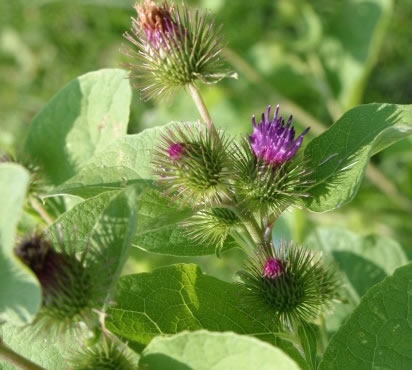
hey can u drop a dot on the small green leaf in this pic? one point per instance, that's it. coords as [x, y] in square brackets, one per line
[83, 118]
[362, 263]
[20, 295]
[340, 155]
[180, 297]
[203, 350]
[378, 334]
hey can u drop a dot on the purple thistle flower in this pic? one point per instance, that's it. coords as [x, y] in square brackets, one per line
[175, 151]
[272, 140]
[156, 22]
[272, 268]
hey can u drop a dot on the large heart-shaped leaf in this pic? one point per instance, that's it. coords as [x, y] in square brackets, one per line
[180, 297]
[203, 350]
[84, 117]
[378, 334]
[20, 295]
[340, 155]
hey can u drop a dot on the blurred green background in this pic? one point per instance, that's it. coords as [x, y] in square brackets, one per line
[316, 60]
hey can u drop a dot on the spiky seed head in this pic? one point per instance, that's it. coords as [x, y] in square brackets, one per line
[211, 227]
[70, 293]
[171, 48]
[289, 280]
[104, 355]
[192, 164]
[270, 176]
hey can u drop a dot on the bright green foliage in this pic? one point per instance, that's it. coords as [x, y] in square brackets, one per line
[378, 333]
[83, 118]
[126, 161]
[204, 350]
[340, 155]
[20, 295]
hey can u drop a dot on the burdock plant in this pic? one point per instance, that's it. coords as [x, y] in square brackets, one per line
[186, 189]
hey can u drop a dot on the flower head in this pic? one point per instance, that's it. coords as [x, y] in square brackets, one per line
[290, 281]
[192, 164]
[172, 48]
[272, 140]
[72, 285]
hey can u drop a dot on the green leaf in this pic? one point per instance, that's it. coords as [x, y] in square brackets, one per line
[20, 295]
[106, 223]
[126, 161]
[180, 297]
[354, 36]
[46, 352]
[378, 334]
[204, 350]
[83, 118]
[340, 155]
[362, 263]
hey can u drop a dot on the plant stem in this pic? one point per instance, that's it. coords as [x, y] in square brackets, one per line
[37, 206]
[251, 226]
[200, 104]
[13, 358]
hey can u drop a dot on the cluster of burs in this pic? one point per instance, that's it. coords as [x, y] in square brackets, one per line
[235, 187]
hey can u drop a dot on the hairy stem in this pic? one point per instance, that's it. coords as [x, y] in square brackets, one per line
[13, 358]
[200, 105]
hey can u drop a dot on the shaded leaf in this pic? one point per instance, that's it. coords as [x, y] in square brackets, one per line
[83, 118]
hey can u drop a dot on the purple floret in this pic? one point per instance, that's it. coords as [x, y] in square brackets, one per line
[273, 268]
[273, 141]
[175, 151]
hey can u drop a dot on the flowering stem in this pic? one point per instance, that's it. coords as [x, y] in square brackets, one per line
[13, 358]
[200, 104]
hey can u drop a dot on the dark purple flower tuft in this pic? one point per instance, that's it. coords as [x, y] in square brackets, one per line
[273, 268]
[273, 141]
[156, 22]
[175, 151]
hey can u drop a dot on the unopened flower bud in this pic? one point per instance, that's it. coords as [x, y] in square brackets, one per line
[291, 281]
[173, 48]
